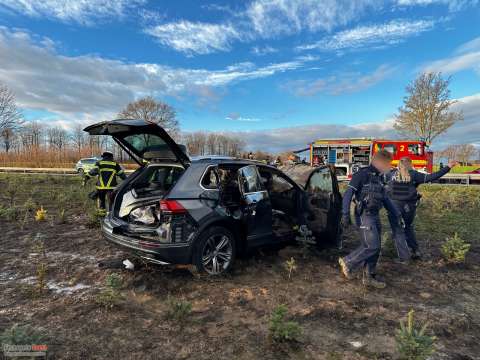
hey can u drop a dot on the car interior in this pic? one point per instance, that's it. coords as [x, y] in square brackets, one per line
[284, 199]
[157, 180]
[283, 195]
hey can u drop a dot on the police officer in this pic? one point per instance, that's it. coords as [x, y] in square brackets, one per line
[367, 185]
[402, 184]
[107, 171]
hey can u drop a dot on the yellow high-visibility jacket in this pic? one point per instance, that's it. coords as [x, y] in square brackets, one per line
[107, 171]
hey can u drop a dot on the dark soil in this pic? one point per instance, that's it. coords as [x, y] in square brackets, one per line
[230, 315]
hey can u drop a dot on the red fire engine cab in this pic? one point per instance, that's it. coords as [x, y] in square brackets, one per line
[349, 155]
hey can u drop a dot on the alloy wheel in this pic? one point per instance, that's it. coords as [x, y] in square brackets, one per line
[217, 254]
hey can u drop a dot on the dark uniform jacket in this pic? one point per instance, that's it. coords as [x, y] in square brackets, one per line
[362, 179]
[107, 171]
[407, 191]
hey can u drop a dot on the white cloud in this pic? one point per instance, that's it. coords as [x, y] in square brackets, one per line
[472, 45]
[339, 84]
[466, 57]
[297, 137]
[74, 86]
[270, 18]
[372, 35]
[263, 50]
[260, 19]
[237, 117]
[189, 37]
[80, 11]
[453, 5]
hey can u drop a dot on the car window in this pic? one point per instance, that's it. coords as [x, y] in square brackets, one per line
[250, 179]
[145, 142]
[162, 177]
[89, 161]
[391, 148]
[414, 149]
[273, 182]
[210, 179]
[320, 180]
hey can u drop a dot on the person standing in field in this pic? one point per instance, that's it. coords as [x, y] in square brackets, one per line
[368, 187]
[402, 184]
[107, 171]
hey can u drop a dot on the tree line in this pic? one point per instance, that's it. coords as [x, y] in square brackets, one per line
[33, 143]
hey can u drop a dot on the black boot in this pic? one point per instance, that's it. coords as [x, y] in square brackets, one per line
[373, 280]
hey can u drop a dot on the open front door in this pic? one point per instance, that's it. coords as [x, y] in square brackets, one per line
[257, 209]
[325, 204]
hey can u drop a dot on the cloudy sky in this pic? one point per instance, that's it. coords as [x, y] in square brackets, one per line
[280, 73]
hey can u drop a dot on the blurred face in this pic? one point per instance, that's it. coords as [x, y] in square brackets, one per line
[406, 163]
[382, 165]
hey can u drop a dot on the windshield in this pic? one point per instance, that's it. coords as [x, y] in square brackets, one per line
[88, 161]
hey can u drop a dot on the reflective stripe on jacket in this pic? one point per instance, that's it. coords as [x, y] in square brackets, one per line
[107, 172]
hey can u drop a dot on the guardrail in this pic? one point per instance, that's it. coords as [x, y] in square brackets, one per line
[465, 179]
[44, 171]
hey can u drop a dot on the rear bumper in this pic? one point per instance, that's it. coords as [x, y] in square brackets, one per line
[146, 249]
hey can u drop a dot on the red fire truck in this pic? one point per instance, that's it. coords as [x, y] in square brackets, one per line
[349, 155]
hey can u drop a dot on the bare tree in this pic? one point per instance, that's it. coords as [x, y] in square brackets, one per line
[57, 138]
[78, 137]
[212, 143]
[8, 137]
[201, 143]
[426, 112]
[465, 153]
[149, 109]
[31, 134]
[10, 116]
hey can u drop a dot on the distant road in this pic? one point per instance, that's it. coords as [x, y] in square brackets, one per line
[464, 179]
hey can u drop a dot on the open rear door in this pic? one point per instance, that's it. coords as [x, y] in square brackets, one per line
[257, 209]
[325, 204]
[143, 140]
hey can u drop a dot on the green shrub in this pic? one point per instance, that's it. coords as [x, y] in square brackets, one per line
[282, 330]
[413, 343]
[454, 249]
[9, 213]
[111, 295]
[178, 310]
[21, 335]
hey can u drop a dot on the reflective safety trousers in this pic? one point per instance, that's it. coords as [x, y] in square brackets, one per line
[107, 172]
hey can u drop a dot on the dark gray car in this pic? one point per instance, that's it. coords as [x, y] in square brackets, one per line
[205, 211]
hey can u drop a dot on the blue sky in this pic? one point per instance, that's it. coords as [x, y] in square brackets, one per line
[279, 73]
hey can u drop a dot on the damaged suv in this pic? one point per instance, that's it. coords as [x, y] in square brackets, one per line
[206, 211]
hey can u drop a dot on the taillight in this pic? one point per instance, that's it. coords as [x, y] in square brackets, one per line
[171, 207]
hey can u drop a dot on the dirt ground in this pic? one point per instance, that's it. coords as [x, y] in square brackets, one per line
[230, 315]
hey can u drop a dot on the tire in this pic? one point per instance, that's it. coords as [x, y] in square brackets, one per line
[211, 243]
[80, 172]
